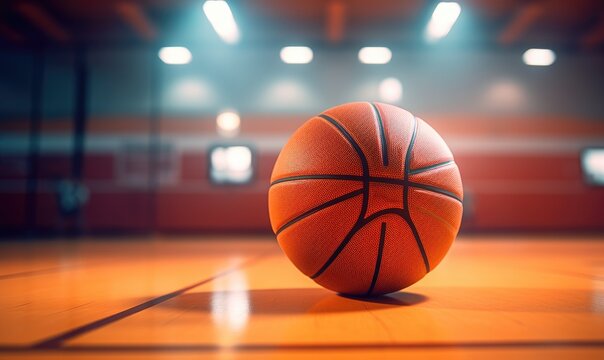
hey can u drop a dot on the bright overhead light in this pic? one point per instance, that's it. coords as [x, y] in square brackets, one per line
[296, 54]
[175, 55]
[375, 55]
[228, 123]
[443, 18]
[391, 90]
[220, 16]
[539, 57]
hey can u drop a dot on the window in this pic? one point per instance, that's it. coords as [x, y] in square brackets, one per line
[231, 164]
[592, 163]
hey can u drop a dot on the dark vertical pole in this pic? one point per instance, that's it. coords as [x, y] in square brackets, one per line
[154, 137]
[80, 118]
[33, 157]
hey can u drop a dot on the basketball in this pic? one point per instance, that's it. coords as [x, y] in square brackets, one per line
[365, 199]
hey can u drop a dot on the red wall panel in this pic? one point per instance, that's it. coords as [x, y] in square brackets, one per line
[12, 210]
[506, 188]
[218, 210]
[119, 211]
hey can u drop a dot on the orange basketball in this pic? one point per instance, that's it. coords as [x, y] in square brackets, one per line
[365, 199]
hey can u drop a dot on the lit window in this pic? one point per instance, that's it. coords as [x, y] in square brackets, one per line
[231, 164]
[592, 163]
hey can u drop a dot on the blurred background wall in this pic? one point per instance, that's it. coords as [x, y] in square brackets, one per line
[135, 133]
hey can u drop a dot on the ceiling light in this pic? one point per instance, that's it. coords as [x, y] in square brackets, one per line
[443, 18]
[375, 55]
[296, 54]
[175, 55]
[539, 57]
[220, 16]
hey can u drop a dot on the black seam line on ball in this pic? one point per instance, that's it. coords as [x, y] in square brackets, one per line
[358, 226]
[382, 132]
[362, 157]
[319, 208]
[318, 177]
[408, 155]
[372, 179]
[435, 190]
[378, 261]
[365, 204]
[351, 141]
[430, 167]
[416, 235]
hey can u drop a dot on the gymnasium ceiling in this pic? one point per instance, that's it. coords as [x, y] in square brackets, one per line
[576, 25]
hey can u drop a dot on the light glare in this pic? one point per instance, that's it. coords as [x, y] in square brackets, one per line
[220, 16]
[443, 18]
[375, 55]
[175, 55]
[296, 55]
[230, 306]
[228, 123]
[539, 57]
[505, 94]
[391, 90]
[592, 162]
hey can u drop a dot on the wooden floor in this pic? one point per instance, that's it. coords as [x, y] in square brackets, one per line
[221, 297]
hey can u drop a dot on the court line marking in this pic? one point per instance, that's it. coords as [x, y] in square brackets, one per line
[57, 341]
[32, 273]
[310, 347]
[577, 274]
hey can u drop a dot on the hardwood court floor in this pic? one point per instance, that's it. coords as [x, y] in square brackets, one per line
[221, 297]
